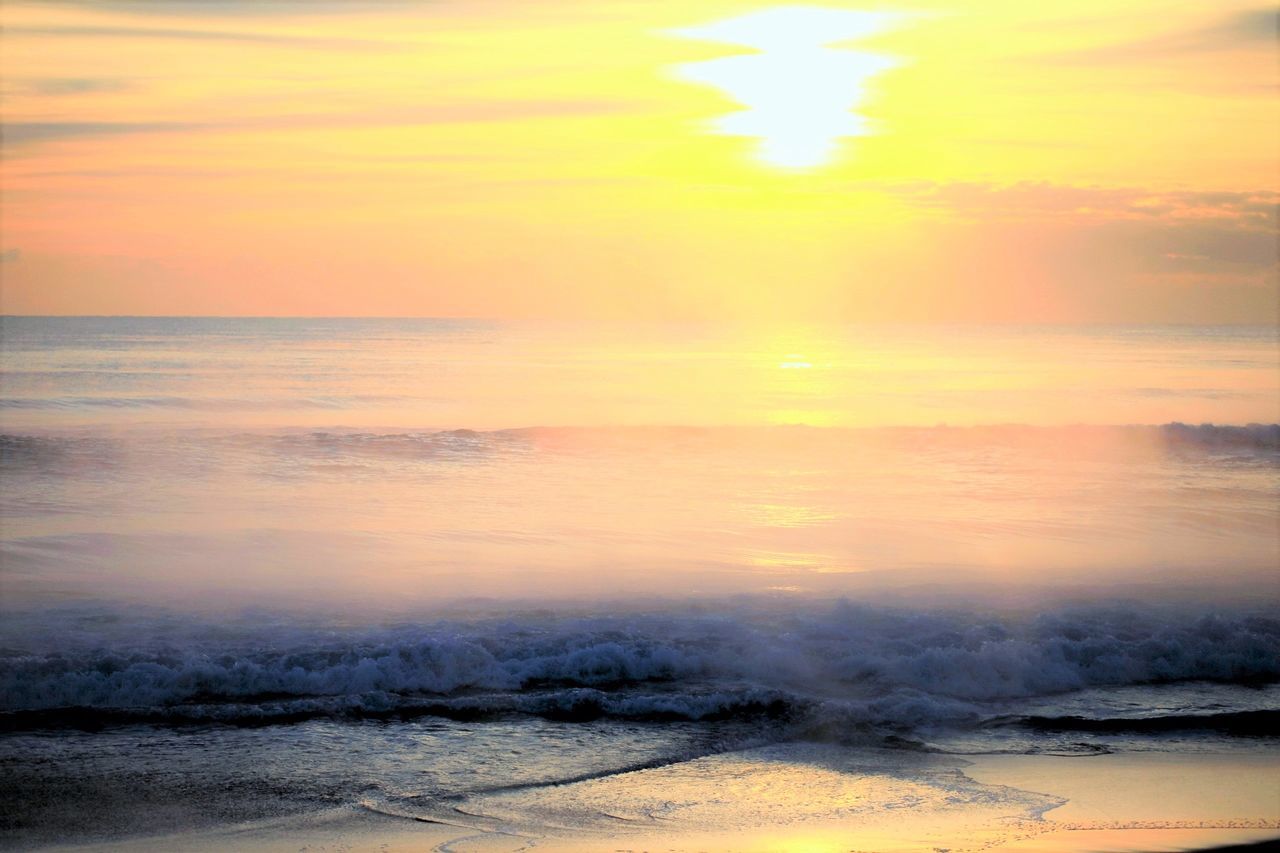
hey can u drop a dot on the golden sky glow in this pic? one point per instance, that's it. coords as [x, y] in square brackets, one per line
[996, 161]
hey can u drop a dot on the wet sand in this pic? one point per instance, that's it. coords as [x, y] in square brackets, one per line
[787, 799]
[1145, 801]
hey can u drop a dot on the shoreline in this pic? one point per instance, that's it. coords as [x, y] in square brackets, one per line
[1107, 804]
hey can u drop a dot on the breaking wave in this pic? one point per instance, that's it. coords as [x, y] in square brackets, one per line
[850, 668]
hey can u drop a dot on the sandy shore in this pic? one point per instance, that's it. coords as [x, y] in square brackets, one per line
[762, 800]
[1145, 801]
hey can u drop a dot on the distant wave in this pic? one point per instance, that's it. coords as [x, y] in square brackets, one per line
[849, 669]
[37, 450]
[1251, 436]
[1265, 437]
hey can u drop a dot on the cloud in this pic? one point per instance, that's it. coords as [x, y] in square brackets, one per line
[9, 256]
[1195, 247]
[229, 7]
[55, 86]
[1256, 26]
[31, 132]
[207, 35]
[1099, 242]
[1256, 210]
[1251, 29]
[1018, 200]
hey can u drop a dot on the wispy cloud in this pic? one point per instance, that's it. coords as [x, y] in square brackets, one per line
[1187, 232]
[1251, 29]
[54, 86]
[31, 132]
[244, 8]
[28, 133]
[203, 35]
[1256, 26]
[1255, 210]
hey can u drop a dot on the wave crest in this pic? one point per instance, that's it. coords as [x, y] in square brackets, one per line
[855, 665]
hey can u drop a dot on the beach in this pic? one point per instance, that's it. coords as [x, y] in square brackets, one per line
[781, 800]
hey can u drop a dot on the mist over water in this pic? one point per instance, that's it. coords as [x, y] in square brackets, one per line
[399, 521]
[400, 466]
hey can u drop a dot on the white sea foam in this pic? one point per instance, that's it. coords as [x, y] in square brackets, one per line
[846, 666]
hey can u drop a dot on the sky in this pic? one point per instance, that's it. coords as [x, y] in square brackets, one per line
[938, 161]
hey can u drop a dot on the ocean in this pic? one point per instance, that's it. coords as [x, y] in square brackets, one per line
[533, 580]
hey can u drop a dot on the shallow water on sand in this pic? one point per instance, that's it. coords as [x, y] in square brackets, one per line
[455, 786]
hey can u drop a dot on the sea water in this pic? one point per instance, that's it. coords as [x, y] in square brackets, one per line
[453, 570]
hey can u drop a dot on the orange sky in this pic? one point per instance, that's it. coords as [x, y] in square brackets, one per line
[1084, 161]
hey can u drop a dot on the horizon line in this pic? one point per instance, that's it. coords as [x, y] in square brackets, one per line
[649, 321]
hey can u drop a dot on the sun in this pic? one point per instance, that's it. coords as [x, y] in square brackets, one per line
[798, 92]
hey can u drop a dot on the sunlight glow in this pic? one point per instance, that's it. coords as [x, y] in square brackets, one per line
[798, 91]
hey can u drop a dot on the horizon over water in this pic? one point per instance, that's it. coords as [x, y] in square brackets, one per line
[533, 580]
